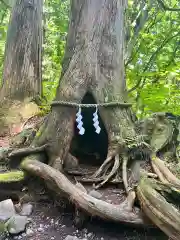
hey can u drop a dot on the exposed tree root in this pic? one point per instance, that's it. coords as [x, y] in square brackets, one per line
[26, 151]
[158, 172]
[76, 172]
[116, 180]
[148, 174]
[164, 214]
[112, 153]
[80, 217]
[24, 138]
[100, 176]
[97, 180]
[124, 174]
[120, 213]
[112, 173]
[89, 204]
[164, 174]
[106, 164]
[131, 195]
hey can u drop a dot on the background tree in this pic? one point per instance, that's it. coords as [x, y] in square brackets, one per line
[21, 77]
[22, 61]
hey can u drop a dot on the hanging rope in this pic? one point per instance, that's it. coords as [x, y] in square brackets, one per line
[109, 104]
[79, 117]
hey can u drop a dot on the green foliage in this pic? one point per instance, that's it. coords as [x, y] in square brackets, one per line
[153, 69]
[153, 63]
[56, 18]
[4, 16]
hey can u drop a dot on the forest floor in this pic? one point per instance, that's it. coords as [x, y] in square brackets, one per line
[53, 223]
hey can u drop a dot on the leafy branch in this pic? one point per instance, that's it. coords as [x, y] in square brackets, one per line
[5, 3]
[138, 24]
[149, 64]
[162, 4]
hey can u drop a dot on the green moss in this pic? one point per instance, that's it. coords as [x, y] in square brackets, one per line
[40, 131]
[13, 176]
[2, 227]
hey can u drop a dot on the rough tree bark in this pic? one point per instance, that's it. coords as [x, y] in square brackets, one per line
[22, 64]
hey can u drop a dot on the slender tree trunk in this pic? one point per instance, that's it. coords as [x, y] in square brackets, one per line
[22, 65]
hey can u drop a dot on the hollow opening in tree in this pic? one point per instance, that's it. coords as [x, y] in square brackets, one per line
[90, 148]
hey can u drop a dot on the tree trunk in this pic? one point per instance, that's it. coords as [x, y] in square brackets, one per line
[22, 65]
[93, 62]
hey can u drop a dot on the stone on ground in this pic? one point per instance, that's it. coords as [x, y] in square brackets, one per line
[7, 209]
[26, 209]
[16, 224]
[95, 194]
[69, 237]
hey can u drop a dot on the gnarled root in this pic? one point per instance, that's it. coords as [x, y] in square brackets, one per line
[24, 138]
[112, 160]
[104, 167]
[164, 174]
[89, 204]
[112, 173]
[131, 195]
[100, 174]
[112, 154]
[165, 215]
[26, 151]
[158, 172]
[116, 180]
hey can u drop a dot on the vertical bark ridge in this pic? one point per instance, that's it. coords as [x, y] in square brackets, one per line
[109, 78]
[22, 65]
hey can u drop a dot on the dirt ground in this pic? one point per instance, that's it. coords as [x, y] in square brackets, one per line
[51, 223]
